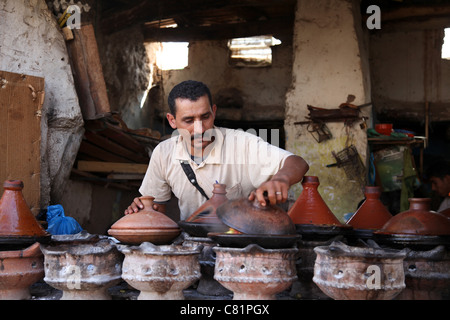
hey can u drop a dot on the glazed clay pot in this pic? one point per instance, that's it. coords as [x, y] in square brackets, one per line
[83, 271]
[354, 273]
[160, 272]
[250, 217]
[418, 220]
[145, 225]
[205, 219]
[310, 208]
[372, 214]
[17, 222]
[255, 273]
[19, 269]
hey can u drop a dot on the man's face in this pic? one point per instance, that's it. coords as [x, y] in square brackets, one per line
[194, 117]
[441, 186]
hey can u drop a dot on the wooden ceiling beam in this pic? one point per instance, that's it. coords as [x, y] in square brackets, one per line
[278, 28]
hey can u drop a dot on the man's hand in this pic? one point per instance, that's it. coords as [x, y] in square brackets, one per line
[276, 190]
[137, 205]
[277, 187]
[134, 207]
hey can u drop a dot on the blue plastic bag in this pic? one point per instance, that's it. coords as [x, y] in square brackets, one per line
[58, 223]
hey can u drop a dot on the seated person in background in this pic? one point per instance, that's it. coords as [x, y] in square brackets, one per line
[438, 174]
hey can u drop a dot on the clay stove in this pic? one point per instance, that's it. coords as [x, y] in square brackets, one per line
[83, 266]
[359, 273]
[160, 272]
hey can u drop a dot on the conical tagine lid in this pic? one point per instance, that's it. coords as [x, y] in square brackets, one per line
[372, 214]
[16, 219]
[310, 208]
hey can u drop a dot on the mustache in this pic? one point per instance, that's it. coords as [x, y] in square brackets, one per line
[204, 136]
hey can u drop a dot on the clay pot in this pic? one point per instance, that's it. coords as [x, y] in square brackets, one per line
[160, 272]
[145, 225]
[417, 220]
[17, 222]
[446, 213]
[372, 214]
[354, 273]
[205, 219]
[254, 273]
[250, 217]
[310, 208]
[83, 271]
[19, 269]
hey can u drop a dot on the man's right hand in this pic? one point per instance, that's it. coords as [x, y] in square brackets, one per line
[134, 207]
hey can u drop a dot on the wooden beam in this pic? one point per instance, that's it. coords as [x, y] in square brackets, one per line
[277, 28]
[100, 166]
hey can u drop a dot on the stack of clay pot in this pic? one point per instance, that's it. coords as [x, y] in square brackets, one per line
[21, 258]
[318, 226]
[147, 225]
[427, 236]
[203, 221]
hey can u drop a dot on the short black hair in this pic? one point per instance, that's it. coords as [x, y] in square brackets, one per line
[188, 89]
[438, 168]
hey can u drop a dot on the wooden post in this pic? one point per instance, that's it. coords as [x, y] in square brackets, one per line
[88, 73]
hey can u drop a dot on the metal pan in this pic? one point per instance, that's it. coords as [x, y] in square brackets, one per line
[201, 229]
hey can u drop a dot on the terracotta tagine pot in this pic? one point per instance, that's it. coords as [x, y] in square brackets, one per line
[359, 273]
[371, 215]
[446, 213]
[18, 225]
[83, 268]
[145, 225]
[255, 273]
[250, 217]
[205, 219]
[310, 213]
[19, 269]
[418, 220]
[160, 272]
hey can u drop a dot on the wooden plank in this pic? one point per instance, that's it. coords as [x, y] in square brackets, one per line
[21, 100]
[114, 148]
[99, 153]
[99, 166]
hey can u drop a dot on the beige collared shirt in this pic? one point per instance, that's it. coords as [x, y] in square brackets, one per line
[240, 160]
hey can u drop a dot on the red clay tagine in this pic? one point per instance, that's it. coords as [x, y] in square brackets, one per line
[147, 225]
[372, 214]
[205, 219]
[17, 223]
[310, 208]
[418, 220]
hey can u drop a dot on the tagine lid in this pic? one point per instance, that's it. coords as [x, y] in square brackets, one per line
[418, 220]
[310, 208]
[16, 219]
[147, 218]
[372, 214]
[250, 217]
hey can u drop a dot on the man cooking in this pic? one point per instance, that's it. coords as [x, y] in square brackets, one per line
[245, 163]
